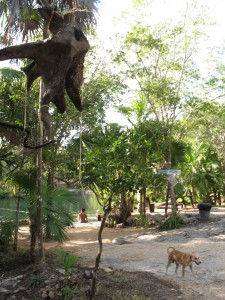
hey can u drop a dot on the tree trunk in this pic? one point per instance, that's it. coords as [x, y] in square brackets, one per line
[223, 168]
[33, 236]
[39, 192]
[219, 198]
[125, 208]
[167, 198]
[91, 294]
[144, 201]
[171, 187]
[141, 202]
[15, 244]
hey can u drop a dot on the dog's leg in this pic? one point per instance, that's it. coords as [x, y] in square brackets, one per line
[177, 266]
[192, 271]
[183, 270]
[168, 264]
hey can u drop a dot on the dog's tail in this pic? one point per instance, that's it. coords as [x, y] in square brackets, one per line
[168, 249]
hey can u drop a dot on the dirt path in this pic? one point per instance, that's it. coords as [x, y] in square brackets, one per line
[135, 249]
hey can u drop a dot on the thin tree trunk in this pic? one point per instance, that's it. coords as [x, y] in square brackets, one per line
[91, 294]
[141, 202]
[167, 198]
[223, 168]
[171, 187]
[144, 201]
[33, 235]
[172, 197]
[15, 243]
[39, 188]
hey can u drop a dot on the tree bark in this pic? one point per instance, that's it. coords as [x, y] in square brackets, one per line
[39, 191]
[59, 61]
[15, 244]
[98, 257]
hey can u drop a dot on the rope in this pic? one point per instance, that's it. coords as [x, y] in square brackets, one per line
[80, 153]
[25, 108]
[80, 159]
[80, 150]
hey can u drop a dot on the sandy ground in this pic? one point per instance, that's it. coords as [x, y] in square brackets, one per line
[139, 249]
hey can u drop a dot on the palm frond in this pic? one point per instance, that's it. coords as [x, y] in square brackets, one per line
[9, 74]
[54, 228]
[19, 17]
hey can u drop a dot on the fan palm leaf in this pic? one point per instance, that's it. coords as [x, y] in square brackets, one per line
[21, 17]
[9, 74]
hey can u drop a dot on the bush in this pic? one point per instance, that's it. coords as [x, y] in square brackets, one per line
[7, 232]
[141, 221]
[175, 221]
[68, 260]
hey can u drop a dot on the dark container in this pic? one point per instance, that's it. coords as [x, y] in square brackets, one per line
[152, 207]
[204, 211]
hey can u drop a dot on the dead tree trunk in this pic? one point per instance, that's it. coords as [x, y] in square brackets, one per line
[58, 60]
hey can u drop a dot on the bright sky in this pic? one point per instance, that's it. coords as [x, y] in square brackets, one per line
[161, 10]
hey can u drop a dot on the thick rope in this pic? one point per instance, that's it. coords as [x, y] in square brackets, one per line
[80, 158]
[80, 150]
[25, 108]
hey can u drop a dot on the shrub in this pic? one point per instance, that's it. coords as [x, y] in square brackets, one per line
[173, 222]
[68, 260]
[141, 221]
[7, 232]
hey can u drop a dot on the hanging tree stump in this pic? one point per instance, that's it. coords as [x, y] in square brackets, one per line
[58, 60]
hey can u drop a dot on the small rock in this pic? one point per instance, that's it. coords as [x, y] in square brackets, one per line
[107, 270]
[20, 289]
[119, 241]
[13, 297]
[4, 291]
[88, 274]
[121, 225]
[61, 271]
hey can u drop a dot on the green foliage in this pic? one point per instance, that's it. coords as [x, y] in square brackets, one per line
[36, 280]
[9, 74]
[141, 221]
[56, 215]
[7, 232]
[68, 260]
[202, 172]
[179, 189]
[67, 293]
[4, 194]
[25, 179]
[175, 221]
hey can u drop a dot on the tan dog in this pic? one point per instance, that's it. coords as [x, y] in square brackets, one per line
[181, 258]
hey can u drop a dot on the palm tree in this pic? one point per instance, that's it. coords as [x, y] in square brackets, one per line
[22, 20]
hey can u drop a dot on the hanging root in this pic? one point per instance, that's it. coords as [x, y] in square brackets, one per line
[27, 131]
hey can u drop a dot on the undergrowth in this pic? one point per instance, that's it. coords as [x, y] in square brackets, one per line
[175, 221]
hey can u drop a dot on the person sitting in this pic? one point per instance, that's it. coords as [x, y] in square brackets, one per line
[98, 216]
[82, 217]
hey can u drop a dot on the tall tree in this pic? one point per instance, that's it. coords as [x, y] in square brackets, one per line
[159, 63]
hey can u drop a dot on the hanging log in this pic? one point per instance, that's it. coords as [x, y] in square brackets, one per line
[58, 60]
